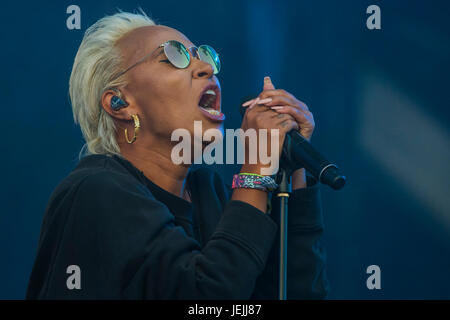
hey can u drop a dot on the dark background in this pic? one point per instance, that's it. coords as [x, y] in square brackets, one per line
[379, 98]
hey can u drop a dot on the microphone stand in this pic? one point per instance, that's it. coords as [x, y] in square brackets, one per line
[283, 191]
[289, 162]
[283, 179]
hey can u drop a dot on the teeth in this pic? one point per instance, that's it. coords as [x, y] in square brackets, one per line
[210, 92]
[211, 111]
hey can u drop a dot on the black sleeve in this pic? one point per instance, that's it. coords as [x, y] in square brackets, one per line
[306, 276]
[127, 246]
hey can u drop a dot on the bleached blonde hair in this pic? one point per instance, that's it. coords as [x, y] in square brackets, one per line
[97, 63]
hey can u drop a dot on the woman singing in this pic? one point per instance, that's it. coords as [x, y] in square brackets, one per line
[129, 223]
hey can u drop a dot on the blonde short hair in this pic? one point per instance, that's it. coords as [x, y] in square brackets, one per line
[97, 63]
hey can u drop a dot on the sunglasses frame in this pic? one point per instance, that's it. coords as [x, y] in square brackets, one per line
[196, 55]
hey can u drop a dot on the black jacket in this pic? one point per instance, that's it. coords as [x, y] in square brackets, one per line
[133, 240]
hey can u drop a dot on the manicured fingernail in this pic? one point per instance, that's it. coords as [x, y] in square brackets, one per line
[266, 100]
[249, 102]
[277, 107]
[254, 103]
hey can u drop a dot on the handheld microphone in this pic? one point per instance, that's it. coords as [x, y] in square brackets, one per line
[299, 153]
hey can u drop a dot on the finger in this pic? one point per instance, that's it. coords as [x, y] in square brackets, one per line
[283, 95]
[290, 109]
[275, 92]
[302, 118]
[253, 103]
[280, 96]
[283, 116]
[268, 85]
[247, 103]
[285, 101]
[262, 102]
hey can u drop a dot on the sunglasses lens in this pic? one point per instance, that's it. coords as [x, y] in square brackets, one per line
[209, 55]
[177, 54]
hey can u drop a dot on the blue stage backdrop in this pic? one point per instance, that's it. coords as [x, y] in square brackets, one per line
[379, 98]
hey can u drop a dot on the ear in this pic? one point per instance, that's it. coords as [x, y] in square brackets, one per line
[109, 97]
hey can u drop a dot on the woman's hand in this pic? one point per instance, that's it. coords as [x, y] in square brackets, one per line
[285, 103]
[259, 116]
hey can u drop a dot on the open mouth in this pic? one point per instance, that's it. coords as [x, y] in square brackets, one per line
[210, 103]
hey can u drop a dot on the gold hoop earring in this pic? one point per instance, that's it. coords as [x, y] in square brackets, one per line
[137, 126]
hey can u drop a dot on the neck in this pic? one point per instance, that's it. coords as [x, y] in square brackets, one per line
[157, 166]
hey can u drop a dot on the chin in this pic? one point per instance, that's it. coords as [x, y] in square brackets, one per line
[208, 124]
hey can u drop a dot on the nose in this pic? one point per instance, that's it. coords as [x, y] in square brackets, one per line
[202, 69]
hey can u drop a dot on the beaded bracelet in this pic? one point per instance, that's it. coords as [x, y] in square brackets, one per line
[253, 181]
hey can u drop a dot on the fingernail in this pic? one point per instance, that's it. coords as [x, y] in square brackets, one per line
[266, 79]
[249, 102]
[254, 103]
[266, 100]
[276, 107]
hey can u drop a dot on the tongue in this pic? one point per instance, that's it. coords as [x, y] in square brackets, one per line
[204, 100]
